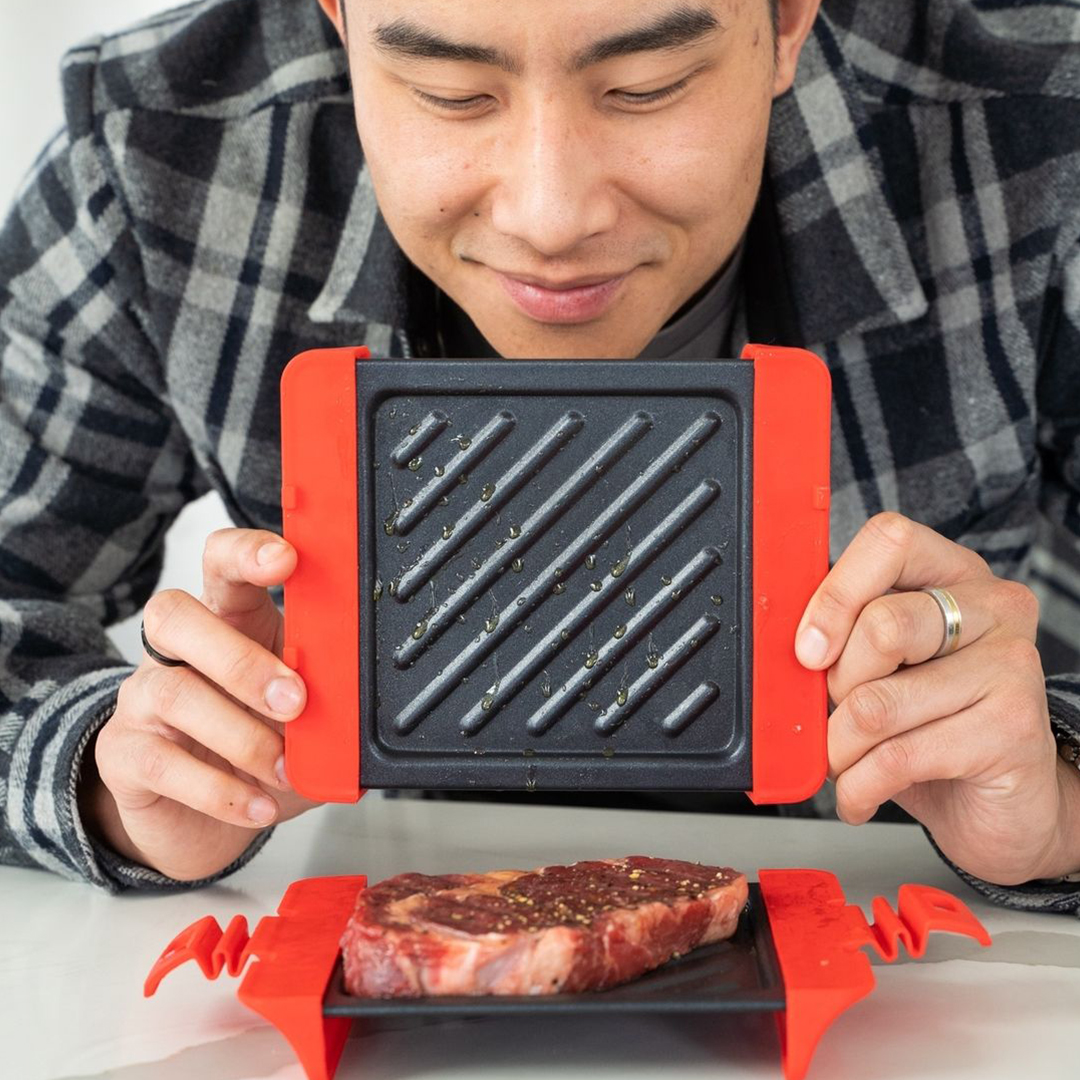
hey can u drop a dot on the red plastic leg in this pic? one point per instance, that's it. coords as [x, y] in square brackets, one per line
[818, 937]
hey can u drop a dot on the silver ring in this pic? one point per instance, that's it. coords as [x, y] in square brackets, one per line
[950, 610]
[166, 661]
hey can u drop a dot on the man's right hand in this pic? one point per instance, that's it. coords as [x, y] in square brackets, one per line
[190, 765]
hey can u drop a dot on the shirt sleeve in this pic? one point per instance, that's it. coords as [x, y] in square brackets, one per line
[1058, 434]
[94, 467]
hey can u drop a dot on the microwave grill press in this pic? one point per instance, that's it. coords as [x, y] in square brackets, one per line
[555, 574]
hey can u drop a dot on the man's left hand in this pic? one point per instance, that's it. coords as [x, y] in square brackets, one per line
[962, 741]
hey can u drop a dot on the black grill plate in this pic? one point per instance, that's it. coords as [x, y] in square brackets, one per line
[555, 574]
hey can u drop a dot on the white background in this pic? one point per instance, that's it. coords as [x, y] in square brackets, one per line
[34, 34]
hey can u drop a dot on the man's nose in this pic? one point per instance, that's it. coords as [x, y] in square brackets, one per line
[554, 191]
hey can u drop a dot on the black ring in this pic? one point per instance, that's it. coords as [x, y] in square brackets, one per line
[167, 661]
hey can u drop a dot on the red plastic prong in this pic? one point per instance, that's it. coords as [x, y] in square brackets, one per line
[922, 910]
[232, 949]
[203, 942]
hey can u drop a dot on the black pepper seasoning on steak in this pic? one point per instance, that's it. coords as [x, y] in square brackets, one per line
[587, 926]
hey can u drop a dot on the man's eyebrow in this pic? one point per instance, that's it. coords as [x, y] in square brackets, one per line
[679, 28]
[413, 42]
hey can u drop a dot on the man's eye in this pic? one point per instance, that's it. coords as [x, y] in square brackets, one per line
[653, 97]
[451, 104]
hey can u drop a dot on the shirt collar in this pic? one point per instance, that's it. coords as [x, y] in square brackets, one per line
[848, 264]
[368, 279]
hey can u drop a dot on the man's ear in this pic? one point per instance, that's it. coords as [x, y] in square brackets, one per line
[796, 19]
[332, 10]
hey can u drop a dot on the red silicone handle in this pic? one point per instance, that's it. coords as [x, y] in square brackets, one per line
[818, 938]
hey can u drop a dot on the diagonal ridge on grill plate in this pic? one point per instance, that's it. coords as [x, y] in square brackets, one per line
[473, 451]
[658, 606]
[531, 529]
[579, 617]
[633, 697]
[688, 710]
[419, 438]
[663, 466]
[455, 535]
[538, 590]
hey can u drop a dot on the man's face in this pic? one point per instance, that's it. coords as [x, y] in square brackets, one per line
[520, 147]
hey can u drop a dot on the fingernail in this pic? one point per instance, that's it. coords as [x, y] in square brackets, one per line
[811, 647]
[283, 695]
[261, 810]
[279, 772]
[269, 552]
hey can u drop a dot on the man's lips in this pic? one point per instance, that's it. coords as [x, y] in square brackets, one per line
[572, 301]
[561, 286]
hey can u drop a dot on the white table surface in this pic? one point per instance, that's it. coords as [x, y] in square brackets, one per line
[73, 961]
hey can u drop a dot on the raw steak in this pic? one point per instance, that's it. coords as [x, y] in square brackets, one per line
[558, 929]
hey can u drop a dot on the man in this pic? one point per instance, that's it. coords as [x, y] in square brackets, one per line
[892, 186]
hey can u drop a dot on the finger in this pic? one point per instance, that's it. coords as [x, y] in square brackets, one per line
[889, 552]
[178, 625]
[239, 565]
[879, 710]
[185, 701]
[173, 773]
[945, 749]
[906, 628]
[992, 740]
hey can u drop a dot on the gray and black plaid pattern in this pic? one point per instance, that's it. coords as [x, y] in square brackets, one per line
[205, 215]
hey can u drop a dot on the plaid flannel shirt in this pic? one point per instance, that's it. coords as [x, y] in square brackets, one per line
[205, 214]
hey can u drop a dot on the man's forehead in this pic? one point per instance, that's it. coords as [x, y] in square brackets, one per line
[587, 31]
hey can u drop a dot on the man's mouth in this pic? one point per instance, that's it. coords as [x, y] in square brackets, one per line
[574, 300]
